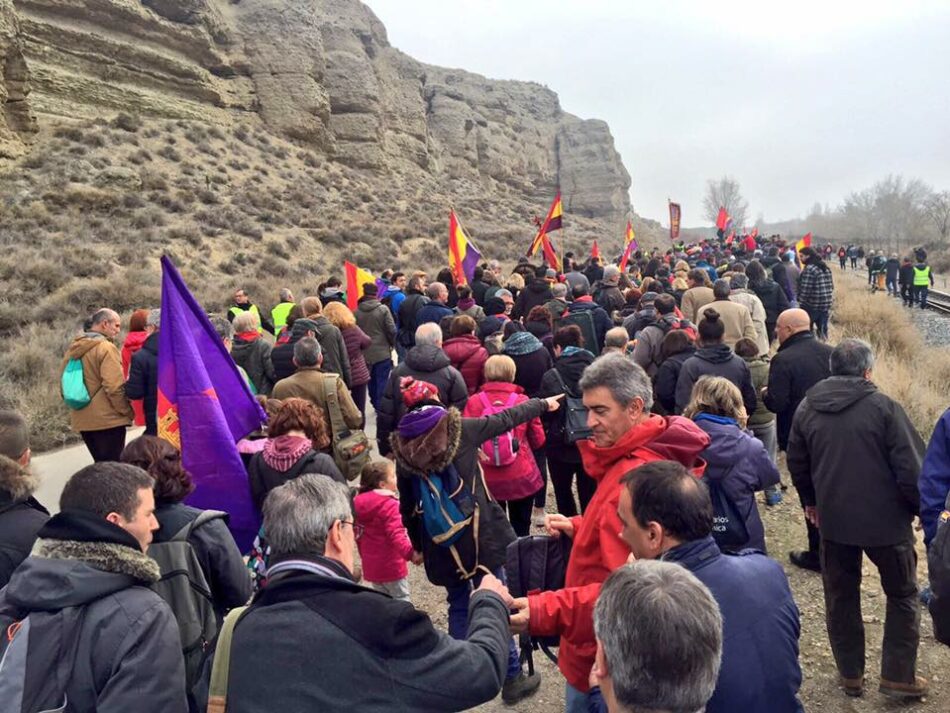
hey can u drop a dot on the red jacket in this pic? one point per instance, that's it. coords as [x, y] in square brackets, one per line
[598, 548]
[133, 342]
[468, 356]
[384, 547]
[522, 478]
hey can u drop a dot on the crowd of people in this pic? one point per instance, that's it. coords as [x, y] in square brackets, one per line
[909, 277]
[655, 399]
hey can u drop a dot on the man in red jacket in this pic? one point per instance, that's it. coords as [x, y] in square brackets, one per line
[618, 395]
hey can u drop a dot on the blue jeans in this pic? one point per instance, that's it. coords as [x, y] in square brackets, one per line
[457, 596]
[819, 322]
[378, 376]
[574, 700]
[920, 295]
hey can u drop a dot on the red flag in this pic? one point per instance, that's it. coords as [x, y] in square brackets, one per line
[551, 222]
[730, 238]
[750, 243]
[550, 254]
[595, 251]
[722, 218]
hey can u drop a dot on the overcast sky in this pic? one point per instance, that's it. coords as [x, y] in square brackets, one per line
[800, 101]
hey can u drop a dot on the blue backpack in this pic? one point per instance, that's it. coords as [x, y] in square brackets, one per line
[75, 393]
[447, 505]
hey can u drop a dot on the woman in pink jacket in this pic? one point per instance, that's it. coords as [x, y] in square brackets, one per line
[511, 472]
[384, 543]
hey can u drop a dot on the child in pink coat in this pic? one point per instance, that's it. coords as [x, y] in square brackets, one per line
[384, 545]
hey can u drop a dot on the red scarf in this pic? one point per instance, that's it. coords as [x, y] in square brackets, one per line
[282, 452]
[247, 336]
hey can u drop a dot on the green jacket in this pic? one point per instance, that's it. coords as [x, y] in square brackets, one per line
[759, 369]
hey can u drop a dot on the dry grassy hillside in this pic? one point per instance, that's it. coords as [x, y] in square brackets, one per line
[87, 213]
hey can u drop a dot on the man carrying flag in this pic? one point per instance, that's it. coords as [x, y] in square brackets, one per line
[356, 279]
[722, 222]
[463, 256]
[204, 407]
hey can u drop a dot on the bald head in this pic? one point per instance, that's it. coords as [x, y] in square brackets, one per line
[791, 322]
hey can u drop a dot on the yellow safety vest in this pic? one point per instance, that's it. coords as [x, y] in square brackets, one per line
[279, 315]
[235, 311]
[922, 276]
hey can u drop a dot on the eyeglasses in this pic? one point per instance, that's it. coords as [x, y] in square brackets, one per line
[357, 528]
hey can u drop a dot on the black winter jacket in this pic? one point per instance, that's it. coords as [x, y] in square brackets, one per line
[333, 645]
[21, 516]
[666, 377]
[143, 382]
[718, 360]
[773, 298]
[536, 293]
[864, 484]
[262, 478]
[427, 363]
[800, 363]
[494, 533]
[408, 312]
[254, 357]
[335, 358]
[217, 552]
[569, 368]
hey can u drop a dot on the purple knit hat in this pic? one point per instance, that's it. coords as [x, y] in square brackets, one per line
[422, 420]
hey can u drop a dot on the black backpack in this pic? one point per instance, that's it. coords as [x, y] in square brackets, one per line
[574, 426]
[585, 320]
[537, 564]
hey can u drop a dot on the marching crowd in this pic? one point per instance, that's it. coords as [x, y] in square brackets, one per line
[654, 399]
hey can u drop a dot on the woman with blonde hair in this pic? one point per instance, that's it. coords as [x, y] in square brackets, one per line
[737, 464]
[356, 341]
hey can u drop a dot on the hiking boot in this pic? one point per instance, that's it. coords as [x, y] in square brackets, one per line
[805, 560]
[853, 687]
[518, 688]
[896, 689]
[773, 496]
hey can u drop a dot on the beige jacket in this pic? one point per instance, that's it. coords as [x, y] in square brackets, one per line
[757, 310]
[736, 318]
[105, 382]
[307, 383]
[693, 300]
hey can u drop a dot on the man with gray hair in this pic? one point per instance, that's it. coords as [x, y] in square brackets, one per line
[426, 361]
[437, 307]
[104, 413]
[558, 303]
[310, 382]
[659, 640]
[618, 395]
[143, 373]
[863, 500]
[607, 293]
[282, 310]
[333, 644]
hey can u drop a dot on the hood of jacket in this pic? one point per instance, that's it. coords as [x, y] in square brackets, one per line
[715, 354]
[134, 341]
[462, 347]
[427, 358]
[368, 304]
[16, 481]
[78, 558]
[671, 438]
[539, 287]
[571, 366]
[420, 455]
[521, 343]
[839, 393]
[83, 344]
[726, 443]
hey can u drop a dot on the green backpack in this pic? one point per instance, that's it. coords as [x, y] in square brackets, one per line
[75, 393]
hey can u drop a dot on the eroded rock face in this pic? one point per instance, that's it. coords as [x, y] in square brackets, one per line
[319, 71]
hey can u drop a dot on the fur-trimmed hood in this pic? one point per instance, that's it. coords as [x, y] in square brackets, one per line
[15, 480]
[433, 451]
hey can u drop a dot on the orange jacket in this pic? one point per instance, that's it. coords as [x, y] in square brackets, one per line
[598, 548]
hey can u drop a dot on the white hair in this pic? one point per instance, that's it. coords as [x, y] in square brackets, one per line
[429, 333]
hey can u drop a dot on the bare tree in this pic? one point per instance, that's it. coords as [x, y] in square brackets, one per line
[725, 193]
[937, 210]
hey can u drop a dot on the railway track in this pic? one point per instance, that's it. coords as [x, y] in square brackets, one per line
[939, 301]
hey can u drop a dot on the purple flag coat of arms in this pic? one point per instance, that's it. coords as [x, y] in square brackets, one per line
[205, 407]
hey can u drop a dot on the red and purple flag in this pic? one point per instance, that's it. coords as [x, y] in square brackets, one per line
[543, 240]
[204, 407]
[463, 255]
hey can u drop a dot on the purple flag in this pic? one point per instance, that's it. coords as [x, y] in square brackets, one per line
[205, 407]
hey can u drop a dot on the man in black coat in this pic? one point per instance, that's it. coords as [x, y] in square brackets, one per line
[800, 363]
[408, 314]
[143, 374]
[855, 458]
[536, 292]
[21, 515]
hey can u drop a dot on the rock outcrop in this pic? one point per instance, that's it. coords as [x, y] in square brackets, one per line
[321, 72]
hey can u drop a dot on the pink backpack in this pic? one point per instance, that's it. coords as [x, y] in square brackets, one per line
[501, 450]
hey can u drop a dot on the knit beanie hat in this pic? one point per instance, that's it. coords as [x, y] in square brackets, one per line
[414, 390]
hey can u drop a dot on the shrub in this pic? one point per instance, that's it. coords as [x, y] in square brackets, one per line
[127, 122]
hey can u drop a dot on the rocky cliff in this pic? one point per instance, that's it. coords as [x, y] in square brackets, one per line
[320, 72]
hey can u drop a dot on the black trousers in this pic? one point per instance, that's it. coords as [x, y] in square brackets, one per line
[907, 294]
[841, 576]
[359, 400]
[106, 444]
[519, 514]
[562, 475]
[541, 458]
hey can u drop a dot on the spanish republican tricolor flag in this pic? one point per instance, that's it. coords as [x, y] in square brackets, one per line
[631, 246]
[805, 242]
[629, 237]
[543, 241]
[356, 279]
[463, 256]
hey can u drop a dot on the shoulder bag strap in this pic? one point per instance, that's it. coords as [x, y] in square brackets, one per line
[337, 424]
[221, 668]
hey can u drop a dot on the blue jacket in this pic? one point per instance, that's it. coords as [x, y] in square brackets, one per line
[740, 464]
[710, 270]
[395, 296]
[934, 480]
[760, 672]
[433, 312]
